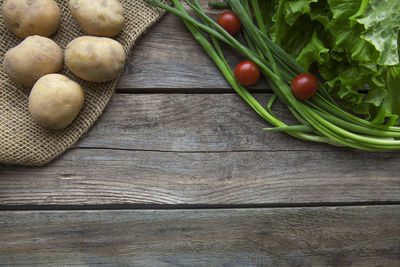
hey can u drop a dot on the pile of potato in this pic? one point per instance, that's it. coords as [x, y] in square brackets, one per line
[55, 100]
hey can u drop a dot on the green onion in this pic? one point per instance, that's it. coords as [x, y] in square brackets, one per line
[220, 5]
[320, 118]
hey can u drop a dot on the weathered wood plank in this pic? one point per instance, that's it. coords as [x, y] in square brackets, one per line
[107, 176]
[349, 236]
[189, 149]
[190, 122]
[168, 58]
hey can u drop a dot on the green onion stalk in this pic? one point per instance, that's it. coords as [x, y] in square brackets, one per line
[320, 118]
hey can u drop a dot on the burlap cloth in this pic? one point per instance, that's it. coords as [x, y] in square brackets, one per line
[21, 140]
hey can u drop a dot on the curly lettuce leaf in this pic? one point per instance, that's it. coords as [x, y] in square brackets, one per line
[320, 12]
[289, 29]
[347, 81]
[294, 38]
[314, 51]
[389, 110]
[353, 43]
[294, 9]
[382, 25]
[347, 36]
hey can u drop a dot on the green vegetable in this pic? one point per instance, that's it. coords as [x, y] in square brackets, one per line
[218, 5]
[321, 119]
[353, 43]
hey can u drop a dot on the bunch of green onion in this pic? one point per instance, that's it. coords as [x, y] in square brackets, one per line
[320, 118]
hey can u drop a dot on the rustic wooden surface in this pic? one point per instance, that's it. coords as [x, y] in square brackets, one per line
[175, 137]
[198, 149]
[348, 236]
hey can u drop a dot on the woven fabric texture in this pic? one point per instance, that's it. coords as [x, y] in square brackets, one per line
[22, 141]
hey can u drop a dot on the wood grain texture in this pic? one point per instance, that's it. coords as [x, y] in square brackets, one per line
[190, 122]
[101, 176]
[189, 149]
[195, 148]
[167, 58]
[349, 236]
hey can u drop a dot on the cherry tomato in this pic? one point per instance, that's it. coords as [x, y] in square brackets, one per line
[230, 22]
[304, 86]
[247, 73]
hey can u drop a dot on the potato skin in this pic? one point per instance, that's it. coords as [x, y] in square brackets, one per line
[31, 17]
[95, 59]
[55, 101]
[98, 17]
[31, 59]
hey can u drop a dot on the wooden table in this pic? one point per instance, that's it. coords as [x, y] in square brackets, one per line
[177, 171]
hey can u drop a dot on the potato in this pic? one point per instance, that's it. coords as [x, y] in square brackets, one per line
[55, 101]
[31, 17]
[31, 59]
[98, 17]
[95, 59]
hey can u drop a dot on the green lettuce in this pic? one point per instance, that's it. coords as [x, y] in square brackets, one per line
[354, 45]
[381, 22]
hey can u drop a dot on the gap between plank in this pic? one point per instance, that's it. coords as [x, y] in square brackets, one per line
[198, 151]
[193, 206]
[208, 91]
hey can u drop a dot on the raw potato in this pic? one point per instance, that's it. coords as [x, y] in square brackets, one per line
[98, 17]
[31, 59]
[31, 17]
[95, 59]
[55, 101]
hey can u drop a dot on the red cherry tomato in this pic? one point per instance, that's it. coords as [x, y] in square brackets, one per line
[230, 22]
[304, 86]
[247, 73]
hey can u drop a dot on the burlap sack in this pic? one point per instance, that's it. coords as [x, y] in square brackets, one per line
[21, 140]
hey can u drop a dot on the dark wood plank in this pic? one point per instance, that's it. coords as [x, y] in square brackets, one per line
[199, 149]
[98, 176]
[190, 122]
[350, 236]
[167, 58]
